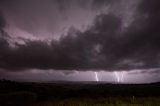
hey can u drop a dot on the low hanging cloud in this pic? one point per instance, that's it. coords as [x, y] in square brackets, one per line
[102, 46]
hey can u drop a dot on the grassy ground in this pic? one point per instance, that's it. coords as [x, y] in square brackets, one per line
[109, 101]
[78, 94]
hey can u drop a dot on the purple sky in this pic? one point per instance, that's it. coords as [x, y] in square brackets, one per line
[45, 40]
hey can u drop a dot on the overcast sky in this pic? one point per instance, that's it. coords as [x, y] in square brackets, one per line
[44, 40]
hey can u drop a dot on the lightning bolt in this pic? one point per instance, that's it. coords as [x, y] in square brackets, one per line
[119, 76]
[96, 76]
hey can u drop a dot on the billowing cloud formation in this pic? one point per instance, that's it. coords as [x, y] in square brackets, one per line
[3, 35]
[105, 45]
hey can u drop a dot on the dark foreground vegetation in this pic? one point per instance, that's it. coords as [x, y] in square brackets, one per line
[78, 94]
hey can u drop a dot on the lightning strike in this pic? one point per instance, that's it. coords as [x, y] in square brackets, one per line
[119, 76]
[96, 76]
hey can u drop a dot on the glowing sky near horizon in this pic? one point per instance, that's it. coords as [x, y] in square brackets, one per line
[134, 76]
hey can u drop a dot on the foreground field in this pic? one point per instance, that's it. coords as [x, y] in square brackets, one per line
[109, 101]
[78, 94]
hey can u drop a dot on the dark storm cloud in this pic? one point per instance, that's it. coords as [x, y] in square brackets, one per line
[143, 40]
[3, 34]
[81, 52]
[99, 3]
[2, 21]
[103, 46]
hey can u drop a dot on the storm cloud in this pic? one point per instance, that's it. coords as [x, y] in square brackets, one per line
[104, 45]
